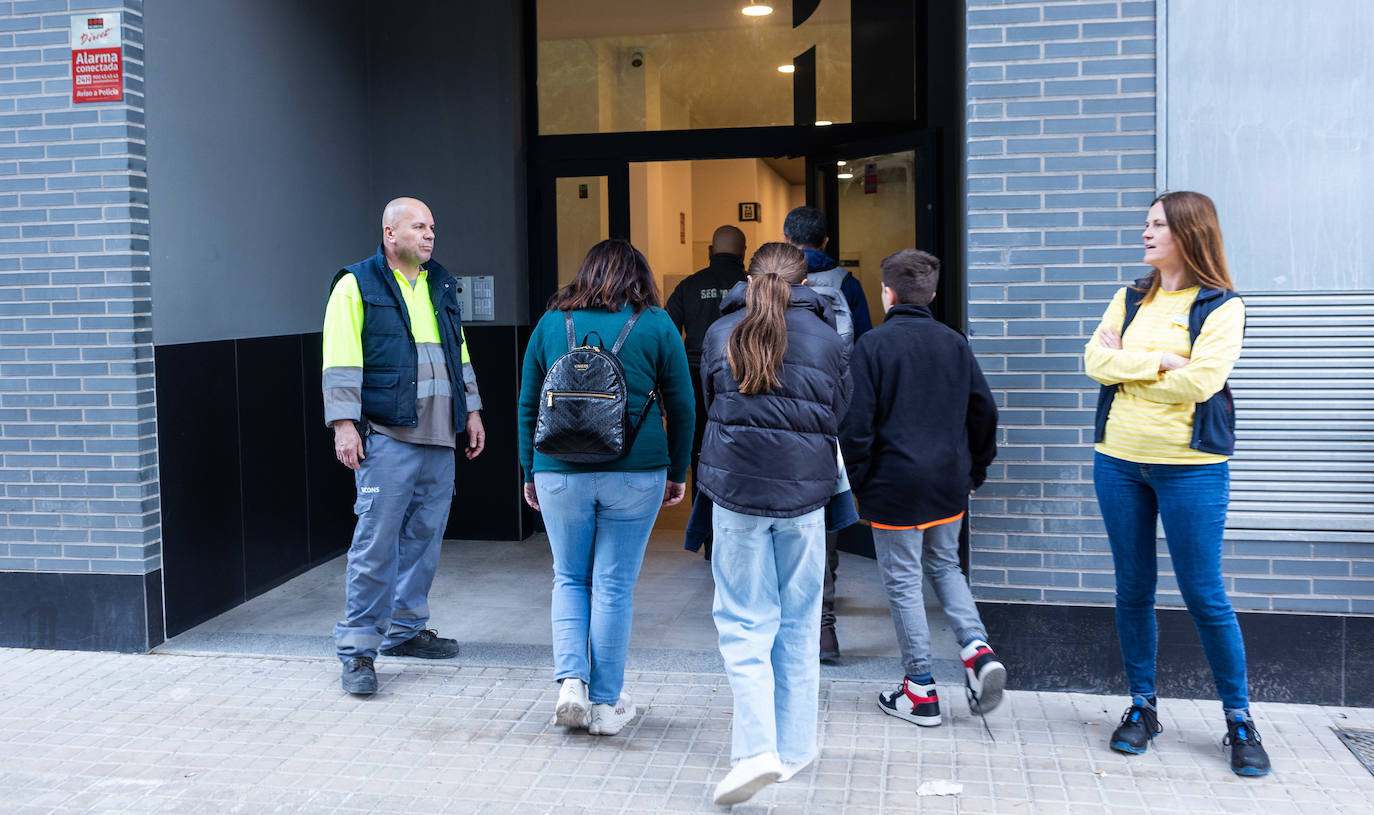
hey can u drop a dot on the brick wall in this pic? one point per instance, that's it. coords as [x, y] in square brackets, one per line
[1061, 168]
[78, 450]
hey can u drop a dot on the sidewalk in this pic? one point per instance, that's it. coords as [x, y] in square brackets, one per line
[118, 733]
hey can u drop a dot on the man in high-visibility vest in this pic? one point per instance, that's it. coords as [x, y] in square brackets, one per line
[398, 389]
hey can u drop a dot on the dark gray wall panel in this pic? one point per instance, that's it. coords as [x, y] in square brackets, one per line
[257, 162]
[271, 155]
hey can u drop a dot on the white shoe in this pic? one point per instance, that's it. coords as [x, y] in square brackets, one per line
[791, 768]
[574, 710]
[747, 777]
[607, 720]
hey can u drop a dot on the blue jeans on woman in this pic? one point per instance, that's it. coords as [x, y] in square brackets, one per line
[1191, 501]
[598, 526]
[767, 609]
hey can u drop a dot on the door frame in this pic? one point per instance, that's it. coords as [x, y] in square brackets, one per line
[610, 155]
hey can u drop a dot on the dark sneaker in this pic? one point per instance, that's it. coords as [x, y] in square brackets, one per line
[1138, 725]
[1247, 753]
[984, 677]
[425, 645]
[918, 704]
[359, 676]
[830, 646]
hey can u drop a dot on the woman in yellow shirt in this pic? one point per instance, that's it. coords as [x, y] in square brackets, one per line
[1165, 428]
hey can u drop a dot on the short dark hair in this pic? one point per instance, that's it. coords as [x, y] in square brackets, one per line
[912, 276]
[805, 227]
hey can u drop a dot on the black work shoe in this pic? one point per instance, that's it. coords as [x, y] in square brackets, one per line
[359, 676]
[1247, 753]
[830, 646]
[425, 645]
[1138, 725]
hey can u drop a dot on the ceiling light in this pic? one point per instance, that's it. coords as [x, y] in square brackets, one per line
[786, 69]
[841, 163]
[844, 174]
[823, 122]
[756, 10]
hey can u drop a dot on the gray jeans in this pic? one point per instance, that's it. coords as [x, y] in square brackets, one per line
[903, 556]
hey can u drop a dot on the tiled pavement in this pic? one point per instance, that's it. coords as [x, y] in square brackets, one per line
[118, 733]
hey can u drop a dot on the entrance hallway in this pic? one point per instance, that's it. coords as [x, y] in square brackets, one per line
[494, 598]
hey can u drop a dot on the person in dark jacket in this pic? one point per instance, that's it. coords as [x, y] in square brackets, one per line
[917, 441]
[776, 386]
[804, 228]
[694, 305]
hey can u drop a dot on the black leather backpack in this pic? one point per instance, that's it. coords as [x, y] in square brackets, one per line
[584, 414]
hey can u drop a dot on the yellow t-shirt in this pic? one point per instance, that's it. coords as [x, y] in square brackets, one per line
[1151, 420]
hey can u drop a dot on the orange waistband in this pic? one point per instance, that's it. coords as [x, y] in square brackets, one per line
[951, 519]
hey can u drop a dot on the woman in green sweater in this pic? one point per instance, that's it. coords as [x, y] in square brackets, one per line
[599, 516]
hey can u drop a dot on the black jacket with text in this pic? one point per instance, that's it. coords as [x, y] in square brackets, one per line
[695, 303]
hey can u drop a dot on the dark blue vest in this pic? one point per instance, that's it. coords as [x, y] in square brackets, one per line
[390, 362]
[1214, 421]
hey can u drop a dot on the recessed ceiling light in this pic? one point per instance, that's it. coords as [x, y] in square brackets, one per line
[844, 174]
[756, 10]
[823, 122]
[786, 69]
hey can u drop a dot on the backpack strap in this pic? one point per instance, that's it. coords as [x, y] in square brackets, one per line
[624, 332]
[572, 337]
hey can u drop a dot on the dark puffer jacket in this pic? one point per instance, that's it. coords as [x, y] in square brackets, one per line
[773, 454]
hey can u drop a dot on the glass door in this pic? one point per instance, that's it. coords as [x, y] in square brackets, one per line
[578, 205]
[879, 198]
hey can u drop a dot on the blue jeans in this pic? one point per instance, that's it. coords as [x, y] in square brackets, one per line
[598, 525]
[404, 493]
[767, 608]
[1191, 501]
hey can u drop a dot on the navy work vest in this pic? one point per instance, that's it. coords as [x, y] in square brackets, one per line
[1214, 421]
[390, 362]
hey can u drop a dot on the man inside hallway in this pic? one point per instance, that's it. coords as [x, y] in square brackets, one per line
[695, 304]
[398, 386]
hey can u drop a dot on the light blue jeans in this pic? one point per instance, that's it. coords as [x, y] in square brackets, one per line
[598, 525]
[768, 574]
[404, 493]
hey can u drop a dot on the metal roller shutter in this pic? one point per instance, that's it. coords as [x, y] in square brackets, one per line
[1304, 389]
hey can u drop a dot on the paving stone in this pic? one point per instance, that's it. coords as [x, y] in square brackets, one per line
[198, 734]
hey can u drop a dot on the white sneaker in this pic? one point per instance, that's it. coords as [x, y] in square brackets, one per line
[574, 710]
[747, 777]
[984, 677]
[791, 768]
[607, 720]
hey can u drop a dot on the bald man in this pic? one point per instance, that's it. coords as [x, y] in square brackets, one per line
[398, 390]
[695, 304]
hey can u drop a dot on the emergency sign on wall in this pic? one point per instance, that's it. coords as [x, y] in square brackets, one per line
[97, 57]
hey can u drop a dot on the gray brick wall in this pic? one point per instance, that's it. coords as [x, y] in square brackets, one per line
[78, 447]
[1061, 167]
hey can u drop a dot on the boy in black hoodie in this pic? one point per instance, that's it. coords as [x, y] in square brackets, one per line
[917, 441]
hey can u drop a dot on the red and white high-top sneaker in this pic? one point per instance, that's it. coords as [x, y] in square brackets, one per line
[984, 677]
[918, 704]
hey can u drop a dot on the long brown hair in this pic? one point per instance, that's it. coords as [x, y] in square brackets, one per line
[1196, 230]
[757, 343]
[612, 274]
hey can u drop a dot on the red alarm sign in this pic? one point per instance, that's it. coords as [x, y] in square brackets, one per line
[97, 58]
